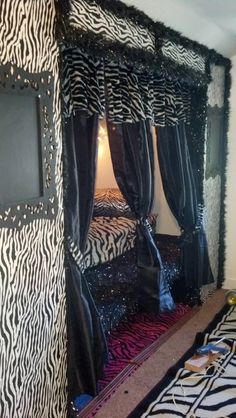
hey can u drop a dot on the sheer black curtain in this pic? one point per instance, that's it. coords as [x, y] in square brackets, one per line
[86, 341]
[180, 191]
[131, 146]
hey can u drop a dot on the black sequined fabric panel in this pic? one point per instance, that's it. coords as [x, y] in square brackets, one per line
[114, 289]
[169, 247]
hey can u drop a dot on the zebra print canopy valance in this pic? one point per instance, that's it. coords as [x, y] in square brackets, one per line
[112, 28]
[94, 85]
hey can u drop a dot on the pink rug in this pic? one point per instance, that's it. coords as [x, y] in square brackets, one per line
[129, 346]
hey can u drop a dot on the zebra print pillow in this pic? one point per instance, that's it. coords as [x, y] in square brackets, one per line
[111, 203]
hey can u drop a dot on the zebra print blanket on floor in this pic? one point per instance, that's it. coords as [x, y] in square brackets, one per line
[203, 395]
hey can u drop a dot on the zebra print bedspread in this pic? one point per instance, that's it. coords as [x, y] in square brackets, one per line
[109, 238]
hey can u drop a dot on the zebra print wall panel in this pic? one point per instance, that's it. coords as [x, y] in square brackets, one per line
[91, 17]
[32, 284]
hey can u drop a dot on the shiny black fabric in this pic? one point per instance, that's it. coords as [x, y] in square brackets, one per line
[131, 146]
[86, 341]
[180, 191]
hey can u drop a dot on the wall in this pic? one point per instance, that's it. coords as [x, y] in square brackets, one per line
[166, 222]
[105, 178]
[230, 266]
[32, 309]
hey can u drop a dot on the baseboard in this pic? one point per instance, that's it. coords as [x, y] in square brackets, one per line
[229, 284]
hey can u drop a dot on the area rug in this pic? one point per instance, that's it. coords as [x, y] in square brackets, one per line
[129, 346]
[209, 394]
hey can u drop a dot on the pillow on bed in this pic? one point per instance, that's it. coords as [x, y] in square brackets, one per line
[110, 202]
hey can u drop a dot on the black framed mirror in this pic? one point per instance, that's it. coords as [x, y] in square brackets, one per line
[27, 147]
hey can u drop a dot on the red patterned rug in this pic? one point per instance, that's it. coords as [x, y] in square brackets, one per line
[129, 346]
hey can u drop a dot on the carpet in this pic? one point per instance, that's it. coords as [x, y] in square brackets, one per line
[204, 395]
[129, 346]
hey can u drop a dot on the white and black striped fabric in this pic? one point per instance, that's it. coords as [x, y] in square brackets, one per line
[83, 83]
[91, 17]
[203, 396]
[33, 337]
[183, 56]
[112, 230]
[108, 238]
[131, 96]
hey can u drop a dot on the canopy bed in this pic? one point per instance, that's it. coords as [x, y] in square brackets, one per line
[119, 64]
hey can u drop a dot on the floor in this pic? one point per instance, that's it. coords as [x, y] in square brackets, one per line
[135, 388]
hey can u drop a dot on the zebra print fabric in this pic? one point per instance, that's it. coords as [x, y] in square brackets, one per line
[183, 56]
[108, 238]
[199, 395]
[32, 286]
[110, 202]
[131, 96]
[82, 82]
[91, 17]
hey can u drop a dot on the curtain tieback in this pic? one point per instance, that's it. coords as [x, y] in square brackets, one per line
[76, 254]
[188, 235]
[145, 222]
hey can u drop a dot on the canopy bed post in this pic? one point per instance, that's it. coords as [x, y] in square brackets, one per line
[180, 191]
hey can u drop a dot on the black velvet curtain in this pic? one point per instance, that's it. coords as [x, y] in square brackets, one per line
[180, 191]
[86, 341]
[131, 146]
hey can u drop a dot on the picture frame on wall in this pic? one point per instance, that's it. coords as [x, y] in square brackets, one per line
[27, 147]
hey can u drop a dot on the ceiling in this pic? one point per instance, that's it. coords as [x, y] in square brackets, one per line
[211, 22]
[221, 12]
